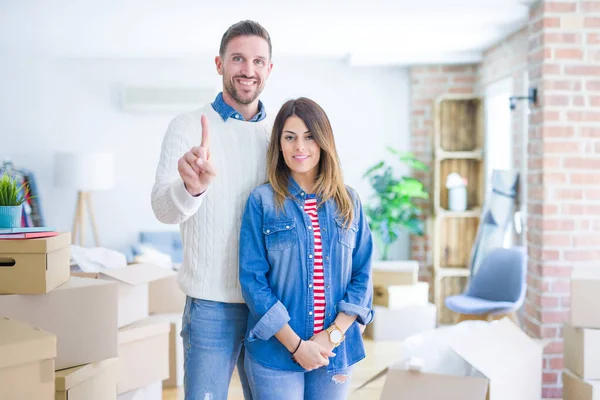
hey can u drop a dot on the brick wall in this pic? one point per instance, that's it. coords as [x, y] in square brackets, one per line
[427, 83]
[560, 50]
[564, 165]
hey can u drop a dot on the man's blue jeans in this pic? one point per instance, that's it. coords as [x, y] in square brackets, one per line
[213, 338]
[272, 384]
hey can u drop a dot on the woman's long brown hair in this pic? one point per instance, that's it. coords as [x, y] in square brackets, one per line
[329, 183]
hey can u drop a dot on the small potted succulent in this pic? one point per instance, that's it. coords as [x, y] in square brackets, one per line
[12, 197]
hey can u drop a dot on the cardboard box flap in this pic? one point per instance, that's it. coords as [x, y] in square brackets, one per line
[137, 274]
[417, 385]
[502, 352]
[41, 245]
[403, 266]
[142, 330]
[21, 343]
[586, 273]
[68, 378]
[79, 282]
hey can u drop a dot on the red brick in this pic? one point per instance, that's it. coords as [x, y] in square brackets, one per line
[568, 54]
[587, 240]
[582, 209]
[581, 162]
[554, 316]
[552, 392]
[582, 255]
[558, 7]
[555, 100]
[591, 22]
[561, 147]
[589, 132]
[560, 287]
[550, 377]
[461, 90]
[567, 194]
[591, 194]
[556, 363]
[435, 80]
[552, 84]
[560, 38]
[593, 38]
[464, 79]
[579, 116]
[556, 272]
[549, 302]
[595, 101]
[585, 179]
[459, 68]
[578, 101]
[590, 6]
[554, 178]
[583, 70]
[551, 69]
[554, 239]
[593, 86]
[547, 22]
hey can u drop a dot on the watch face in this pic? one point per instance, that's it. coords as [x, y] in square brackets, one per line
[336, 336]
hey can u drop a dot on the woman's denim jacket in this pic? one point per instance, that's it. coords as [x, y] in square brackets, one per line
[276, 275]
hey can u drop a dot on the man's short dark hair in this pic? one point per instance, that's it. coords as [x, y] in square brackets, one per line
[244, 28]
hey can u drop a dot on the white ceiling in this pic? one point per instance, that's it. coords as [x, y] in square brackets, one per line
[366, 32]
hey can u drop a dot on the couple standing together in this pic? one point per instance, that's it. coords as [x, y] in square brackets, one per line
[278, 274]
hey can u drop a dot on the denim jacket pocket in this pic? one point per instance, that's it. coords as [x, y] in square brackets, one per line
[280, 235]
[347, 236]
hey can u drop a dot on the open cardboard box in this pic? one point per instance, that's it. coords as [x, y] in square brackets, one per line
[82, 313]
[133, 289]
[507, 364]
[95, 381]
[26, 361]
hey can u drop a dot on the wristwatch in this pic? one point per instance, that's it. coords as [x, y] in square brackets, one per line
[336, 336]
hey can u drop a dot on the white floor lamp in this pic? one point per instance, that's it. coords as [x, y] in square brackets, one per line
[84, 172]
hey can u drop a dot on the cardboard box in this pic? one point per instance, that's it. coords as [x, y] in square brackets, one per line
[508, 362]
[143, 354]
[34, 266]
[96, 381]
[133, 288]
[401, 323]
[82, 314]
[150, 392]
[575, 388]
[166, 296]
[585, 302]
[390, 273]
[399, 296]
[582, 351]
[175, 348]
[26, 361]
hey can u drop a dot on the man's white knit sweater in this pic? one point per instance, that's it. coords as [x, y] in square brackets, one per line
[210, 223]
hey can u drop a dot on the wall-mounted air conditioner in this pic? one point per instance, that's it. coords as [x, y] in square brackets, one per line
[157, 99]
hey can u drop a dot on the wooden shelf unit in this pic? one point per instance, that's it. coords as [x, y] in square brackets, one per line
[458, 147]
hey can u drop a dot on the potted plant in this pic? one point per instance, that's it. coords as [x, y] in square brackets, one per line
[12, 197]
[393, 206]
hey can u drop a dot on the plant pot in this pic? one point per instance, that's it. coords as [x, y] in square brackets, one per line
[10, 216]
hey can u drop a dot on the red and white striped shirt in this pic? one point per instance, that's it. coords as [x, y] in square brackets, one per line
[310, 207]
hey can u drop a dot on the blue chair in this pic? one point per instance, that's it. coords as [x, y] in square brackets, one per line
[497, 289]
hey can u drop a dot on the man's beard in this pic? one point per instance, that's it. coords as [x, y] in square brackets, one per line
[233, 92]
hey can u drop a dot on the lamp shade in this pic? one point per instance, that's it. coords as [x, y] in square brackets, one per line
[84, 171]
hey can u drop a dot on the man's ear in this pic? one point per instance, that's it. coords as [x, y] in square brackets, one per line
[219, 65]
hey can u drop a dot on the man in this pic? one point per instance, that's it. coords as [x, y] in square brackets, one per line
[210, 161]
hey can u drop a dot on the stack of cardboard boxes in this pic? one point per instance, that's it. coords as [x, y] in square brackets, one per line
[400, 301]
[93, 329]
[581, 376]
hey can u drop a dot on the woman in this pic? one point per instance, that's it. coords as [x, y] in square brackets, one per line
[305, 265]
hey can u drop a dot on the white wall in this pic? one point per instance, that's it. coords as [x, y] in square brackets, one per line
[48, 105]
